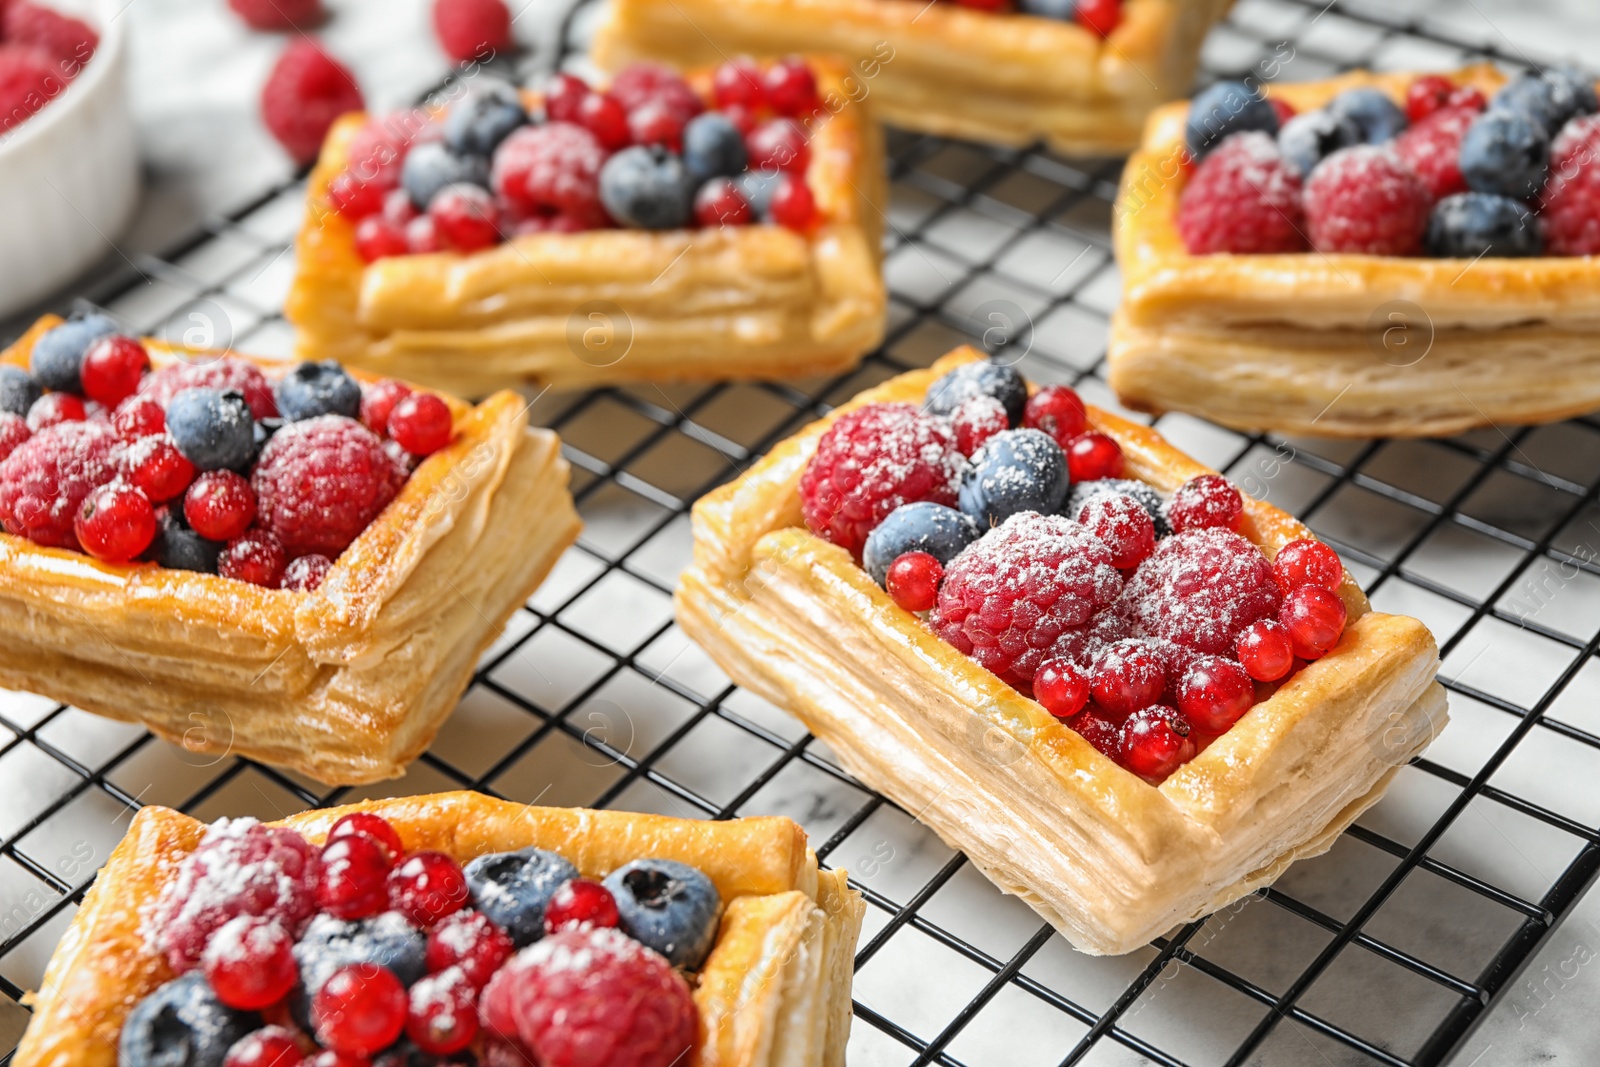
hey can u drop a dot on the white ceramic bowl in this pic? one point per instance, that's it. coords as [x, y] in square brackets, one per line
[69, 176]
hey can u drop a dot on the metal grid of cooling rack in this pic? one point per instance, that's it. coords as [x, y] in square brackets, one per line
[1387, 950]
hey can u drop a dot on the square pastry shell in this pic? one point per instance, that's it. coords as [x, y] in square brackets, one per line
[348, 683]
[1109, 859]
[775, 991]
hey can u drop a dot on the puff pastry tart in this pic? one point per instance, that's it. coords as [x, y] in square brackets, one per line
[1137, 695]
[1407, 255]
[648, 231]
[451, 929]
[997, 75]
[218, 548]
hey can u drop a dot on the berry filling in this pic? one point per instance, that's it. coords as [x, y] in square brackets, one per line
[1145, 621]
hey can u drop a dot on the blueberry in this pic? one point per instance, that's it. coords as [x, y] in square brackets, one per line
[712, 147]
[313, 389]
[1507, 153]
[513, 888]
[1310, 137]
[757, 188]
[1226, 108]
[647, 187]
[1143, 493]
[1469, 225]
[182, 1024]
[1549, 99]
[979, 379]
[668, 906]
[1574, 82]
[431, 166]
[1065, 10]
[385, 939]
[1014, 471]
[179, 548]
[1379, 119]
[213, 429]
[58, 353]
[18, 390]
[483, 118]
[921, 527]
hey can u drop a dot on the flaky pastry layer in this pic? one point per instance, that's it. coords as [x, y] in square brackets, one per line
[774, 992]
[604, 306]
[346, 684]
[944, 68]
[1117, 861]
[1339, 344]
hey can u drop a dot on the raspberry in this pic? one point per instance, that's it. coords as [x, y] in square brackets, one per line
[68, 41]
[138, 416]
[1577, 145]
[1570, 203]
[305, 92]
[378, 238]
[255, 557]
[115, 522]
[220, 505]
[13, 431]
[44, 481]
[1200, 589]
[1123, 525]
[641, 83]
[1208, 500]
[977, 420]
[592, 996]
[1432, 149]
[871, 461]
[554, 167]
[1242, 198]
[240, 868]
[377, 151]
[581, 903]
[222, 374]
[378, 401]
[53, 409]
[1364, 199]
[320, 482]
[28, 81]
[278, 14]
[1010, 596]
[472, 29]
[1427, 95]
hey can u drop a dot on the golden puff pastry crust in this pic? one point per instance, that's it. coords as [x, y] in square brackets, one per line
[946, 69]
[605, 306]
[774, 992]
[1116, 861]
[346, 684]
[1341, 345]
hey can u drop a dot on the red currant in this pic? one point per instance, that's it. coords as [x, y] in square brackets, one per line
[378, 401]
[719, 203]
[1265, 651]
[779, 144]
[249, 963]
[657, 122]
[255, 556]
[1280, 107]
[792, 87]
[1426, 95]
[270, 1046]
[159, 470]
[422, 235]
[1307, 562]
[360, 1009]
[398, 209]
[374, 826]
[1155, 742]
[1061, 687]
[466, 217]
[1093, 456]
[378, 238]
[1206, 501]
[355, 872]
[564, 95]
[471, 941]
[602, 116]
[1314, 618]
[1214, 692]
[1122, 525]
[13, 431]
[426, 887]
[353, 198]
[580, 902]
[305, 573]
[977, 420]
[793, 207]
[115, 523]
[421, 423]
[53, 409]
[739, 82]
[442, 1015]
[1468, 96]
[913, 580]
[1099, 16]
[137, 417]
[1058, 411]
[744, 119]
[1126, 676]
[112, 368]
[220, 505]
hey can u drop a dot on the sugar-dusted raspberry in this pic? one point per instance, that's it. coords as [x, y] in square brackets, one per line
[13, 431]
[28, 81]
[1570, 202]
[977, 420]
[44, 481]
[320, 482]
[68, 41]
[1200, 589]
[278, 14]
[1426, 95]
[1364, 199]
[224, 374]
[551, 168]
[871, 461]
[377, 151]
[240, 868]
[638, 84]
[1242, 198]
[377, 402]
[1011, 595]
[472, 29]
[305, 92]
[1432, 149]
[1577, 145]
[592, 996]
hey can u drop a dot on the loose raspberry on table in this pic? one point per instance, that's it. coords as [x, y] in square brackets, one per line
[1432, 149]
[1200, 589]
[1366, 200]
[68, 41]
[28, 81]
[44, 481]
[871, 461]
[278, 14]
[222, 374]
[1010, 597]
[551, 168]
[305, 92]
[591, 996]
[1242, 198]
[472, 29]
[320, 482]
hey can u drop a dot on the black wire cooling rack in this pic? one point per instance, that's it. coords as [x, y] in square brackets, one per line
[1387, 950]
